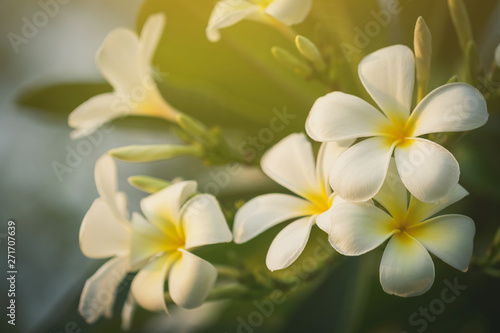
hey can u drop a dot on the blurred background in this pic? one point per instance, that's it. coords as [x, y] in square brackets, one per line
[235, 84]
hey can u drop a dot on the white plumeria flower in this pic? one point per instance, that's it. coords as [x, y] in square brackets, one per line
[104, 233]
[291, 164]
[124, 60]
[175, 224]
[230, 12]
[406, 268]
[429, 171]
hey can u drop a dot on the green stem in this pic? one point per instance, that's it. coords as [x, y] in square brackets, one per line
[284, 29]
[230, 291]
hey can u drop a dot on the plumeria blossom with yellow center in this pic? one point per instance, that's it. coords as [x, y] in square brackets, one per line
[291, 164]
[105, 233]
[277, 13]
[178, 220]
[124, 60]
[407, 268]
[429, 171]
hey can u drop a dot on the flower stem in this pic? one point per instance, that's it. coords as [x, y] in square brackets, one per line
[230, 291]
[284, 29]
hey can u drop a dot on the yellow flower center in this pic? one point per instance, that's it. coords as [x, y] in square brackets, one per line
[173, 238]
[321, 203]
[398, 132]
[262, 3]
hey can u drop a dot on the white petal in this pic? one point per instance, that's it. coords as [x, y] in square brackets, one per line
[162, 208]
[291, 164]
[323, 220]
[428, 171]
[106, 178]
[497, 55]
[96, 111]
[406, 268]
[118, 60]
[128, 311]
[388, 75]
[339, 116]
[102, 234]
[147, 241]
[289, 11]
[99, 293]
[203, 222]
[454, 107]
[87, 128]
[148, 286]
[150, 37]
[105, 175]
[121, 205]
[360, 171]
[289, 243]
[227, 13]
[328, 154]
[393, 195]
[449, 237]
[266, 211]
[191, 280]
[419, 211]
[356, 228]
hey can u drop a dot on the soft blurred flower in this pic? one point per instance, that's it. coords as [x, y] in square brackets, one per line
[105, 233]
[291, 164]
[178, 220]
[497, 55]
[124, 60]
[429, 171]
[229, 12]
[406, 268]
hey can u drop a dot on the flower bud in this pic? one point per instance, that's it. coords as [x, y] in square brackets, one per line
[148, 184]
[150, 153]
[422, 44]
[310, 51]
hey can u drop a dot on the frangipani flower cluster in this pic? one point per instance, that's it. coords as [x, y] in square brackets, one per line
[178, 219]
[378, 177]
[229, 12]
[124, 60]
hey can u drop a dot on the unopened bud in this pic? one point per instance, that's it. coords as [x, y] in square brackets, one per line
[422, 44]
[311, 52]
[150, 153]
[148, 184]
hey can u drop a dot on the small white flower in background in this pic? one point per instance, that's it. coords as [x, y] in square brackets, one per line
[104, 233]
[178, 220]
[291, 164]
[229, 12]
[124, 60]
[429, 171]
[406, 268]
